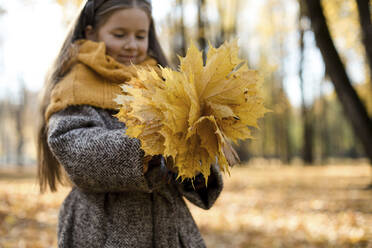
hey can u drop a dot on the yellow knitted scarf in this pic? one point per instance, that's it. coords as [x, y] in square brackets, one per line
[93, 80]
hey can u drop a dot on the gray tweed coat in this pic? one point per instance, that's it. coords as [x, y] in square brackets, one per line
[113, 204]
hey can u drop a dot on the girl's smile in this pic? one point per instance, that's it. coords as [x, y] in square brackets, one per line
[125, 34]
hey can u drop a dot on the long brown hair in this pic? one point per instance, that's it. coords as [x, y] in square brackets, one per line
[94, 13]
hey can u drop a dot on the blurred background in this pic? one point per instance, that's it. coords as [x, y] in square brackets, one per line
[308, 121]
[306, 173]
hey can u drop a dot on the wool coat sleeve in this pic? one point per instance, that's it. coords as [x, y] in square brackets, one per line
[200, 194]
[95, 157]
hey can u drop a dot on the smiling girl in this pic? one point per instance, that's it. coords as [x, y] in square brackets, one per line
[117, 198]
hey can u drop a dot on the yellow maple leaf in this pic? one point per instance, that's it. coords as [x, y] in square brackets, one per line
[192, 114]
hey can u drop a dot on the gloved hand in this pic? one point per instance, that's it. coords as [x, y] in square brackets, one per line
[146, 161]
[168, 172]
[151, 161]
[168, 169]
[197, 184]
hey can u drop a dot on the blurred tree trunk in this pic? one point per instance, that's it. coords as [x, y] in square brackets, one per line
[285, 147]
[179, 34]
[308, 135]
[5, 132]
[202, 25]
[352, 105]
[228, 19]
[181, 49]
[276, 127]
[19, 120]
[2, 133]
[285, 151]
[20, 136]
[325, 142]
[282, 146]
[269, 131]
[366, 25]
[306, 112]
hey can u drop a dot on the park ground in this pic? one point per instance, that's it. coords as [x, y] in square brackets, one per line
[267, 206]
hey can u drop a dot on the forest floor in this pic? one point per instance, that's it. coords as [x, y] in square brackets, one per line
[260, 207]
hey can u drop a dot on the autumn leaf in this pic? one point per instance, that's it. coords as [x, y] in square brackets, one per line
[194, 113]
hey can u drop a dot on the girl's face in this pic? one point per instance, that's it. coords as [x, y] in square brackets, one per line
[125, 34]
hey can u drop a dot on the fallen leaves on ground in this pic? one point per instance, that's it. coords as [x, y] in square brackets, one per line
[291, 207]
[27, 219]
[260, 207]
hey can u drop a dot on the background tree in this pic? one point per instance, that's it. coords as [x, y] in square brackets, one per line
[366, 26]
[228, 14]
[178, 33]
[353, 107]
[272, 38]
[19, 113]
[202, 24]
[306, 111]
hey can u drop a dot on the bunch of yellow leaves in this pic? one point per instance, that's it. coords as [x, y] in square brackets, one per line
[192, 114]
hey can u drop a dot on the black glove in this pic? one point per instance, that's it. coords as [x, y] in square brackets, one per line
[166, 173]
